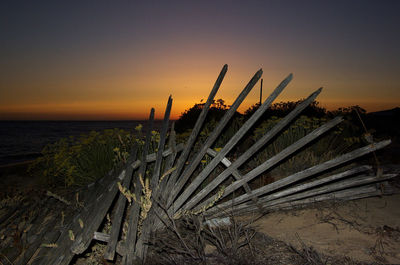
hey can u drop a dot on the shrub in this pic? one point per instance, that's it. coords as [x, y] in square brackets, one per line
[189, 117]
[76, 162]
[337, 141]
[281, 109]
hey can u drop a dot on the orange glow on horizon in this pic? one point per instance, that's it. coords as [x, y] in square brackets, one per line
[103, 95]
[124, 110]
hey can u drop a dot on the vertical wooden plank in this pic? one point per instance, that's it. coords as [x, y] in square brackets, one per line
[210, 140]
[90, 225]
[264, 189]
[196, 130]
[169, 161]
[250, 152]
[328, 164]
[141, 246]
[261, 91]
[161, 145]
[329, 188]
[119, 209]
[228, 146]
[318, 168]
[135, 208]
[236, 174]
[62, 255]
[347, 194]
[277, 158]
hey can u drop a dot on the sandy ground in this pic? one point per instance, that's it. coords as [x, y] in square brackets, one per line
[366, 230]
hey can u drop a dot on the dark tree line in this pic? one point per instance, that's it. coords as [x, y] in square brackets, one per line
[188, 118]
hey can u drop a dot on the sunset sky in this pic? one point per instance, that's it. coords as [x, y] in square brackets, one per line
[117, 59]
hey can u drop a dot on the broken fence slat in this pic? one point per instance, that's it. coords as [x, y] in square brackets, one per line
[230, 144]
[26, 255]
[319, 168]
[169, 162]
[135, 208]
[142, 246]
[103, 237]
[326, 189]
[340, 185]
[109, 253]
[210, 140]
[236, 174]
[40, 253]
[83, 240]
[152, 157]
[347, 194]
[301, 175]
[62, 255]
[161, 145]
[278, 157]
[193, 136]
[250, 152]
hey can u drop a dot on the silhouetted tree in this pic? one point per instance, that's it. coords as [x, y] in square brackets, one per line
[281, 109]
[189, 117]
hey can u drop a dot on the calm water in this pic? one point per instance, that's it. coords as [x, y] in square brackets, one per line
[23, 140]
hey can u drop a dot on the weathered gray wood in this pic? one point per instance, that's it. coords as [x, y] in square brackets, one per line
[91, 225]
[38, 258]
[328, 189]
[58, 236]
[225, 161]
[235, 173]
[210, 140]
[161, 145]
[388, 189]
[152, 157]
[12, 211]
[319, 168]
[34, 240]
[192, 138]
[119, 211]
[169, 162]
[135, 208]
[278, 158]
[62, 255]
[301, 175]
[103, 237]
[231, 143]
[347, 194]
[142, 246]
[133, 222]
[251, 151]
[340, 185]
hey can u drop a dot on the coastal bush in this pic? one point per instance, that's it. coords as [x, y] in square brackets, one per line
[337, 141]
[218, 108]
[281, 109]
[188, 118]
[79, 161]
[343, 138]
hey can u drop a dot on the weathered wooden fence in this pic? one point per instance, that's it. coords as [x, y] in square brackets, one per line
[169, 188]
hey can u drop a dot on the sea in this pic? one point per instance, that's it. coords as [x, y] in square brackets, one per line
[22, 141]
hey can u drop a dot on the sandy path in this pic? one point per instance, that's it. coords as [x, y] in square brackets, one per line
[365, 230]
